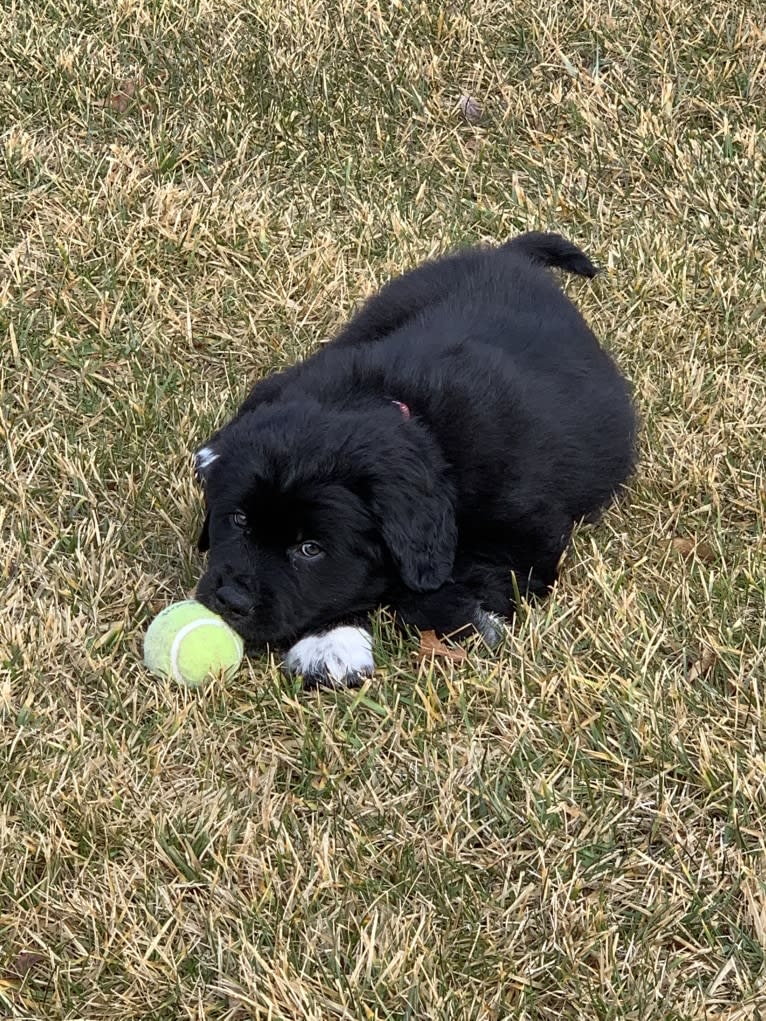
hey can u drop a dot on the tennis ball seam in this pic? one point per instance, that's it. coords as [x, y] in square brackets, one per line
[175, 647]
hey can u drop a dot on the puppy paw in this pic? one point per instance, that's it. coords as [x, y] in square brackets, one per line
[490, 627]
[340, 658]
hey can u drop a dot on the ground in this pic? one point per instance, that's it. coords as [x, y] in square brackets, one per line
[192, 194]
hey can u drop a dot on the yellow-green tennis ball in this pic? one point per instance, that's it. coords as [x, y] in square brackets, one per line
[190, 643]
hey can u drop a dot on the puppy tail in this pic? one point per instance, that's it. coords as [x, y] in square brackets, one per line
[553, 250]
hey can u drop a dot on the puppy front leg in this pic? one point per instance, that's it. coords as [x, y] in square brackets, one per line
[337, 657]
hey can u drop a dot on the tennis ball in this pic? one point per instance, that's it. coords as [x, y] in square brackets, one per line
[190, 643]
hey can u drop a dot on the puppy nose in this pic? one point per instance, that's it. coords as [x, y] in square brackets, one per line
[235, 597]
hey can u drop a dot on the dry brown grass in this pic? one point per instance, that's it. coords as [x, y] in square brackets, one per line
[193, 193]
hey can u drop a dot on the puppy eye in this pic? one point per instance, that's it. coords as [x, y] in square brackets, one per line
[310, 550]
[239, 518]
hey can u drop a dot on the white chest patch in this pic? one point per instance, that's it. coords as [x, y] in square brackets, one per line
[338, 657]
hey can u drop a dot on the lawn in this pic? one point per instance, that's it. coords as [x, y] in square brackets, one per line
[195, 193]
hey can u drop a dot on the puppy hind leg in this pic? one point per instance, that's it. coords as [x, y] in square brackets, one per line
[504, 587]
[452, 611]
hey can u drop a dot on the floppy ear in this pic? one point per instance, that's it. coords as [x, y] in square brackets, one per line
[415, 509]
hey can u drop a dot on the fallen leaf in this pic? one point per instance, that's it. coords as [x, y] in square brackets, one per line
[701, 666]
[689, 548]
[705, 552]
[470, 109]
[22, 964]
[684, 547]
[123, 97]
[431, 646]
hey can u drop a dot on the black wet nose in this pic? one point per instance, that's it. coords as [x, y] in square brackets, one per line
[235, 597]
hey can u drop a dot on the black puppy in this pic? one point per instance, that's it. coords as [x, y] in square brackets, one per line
[434, 457]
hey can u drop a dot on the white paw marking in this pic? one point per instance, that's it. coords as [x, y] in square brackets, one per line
[491, 627]
[338, 655]
[204, 458]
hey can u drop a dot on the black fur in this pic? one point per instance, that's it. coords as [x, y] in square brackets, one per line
[520, 425]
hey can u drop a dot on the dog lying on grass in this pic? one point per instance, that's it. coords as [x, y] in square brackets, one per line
[433, 458]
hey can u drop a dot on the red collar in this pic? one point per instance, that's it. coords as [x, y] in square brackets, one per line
[403, 408]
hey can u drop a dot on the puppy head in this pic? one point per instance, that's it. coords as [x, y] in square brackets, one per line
[314, 514]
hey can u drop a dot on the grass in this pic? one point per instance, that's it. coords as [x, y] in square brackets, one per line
[192, 194]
